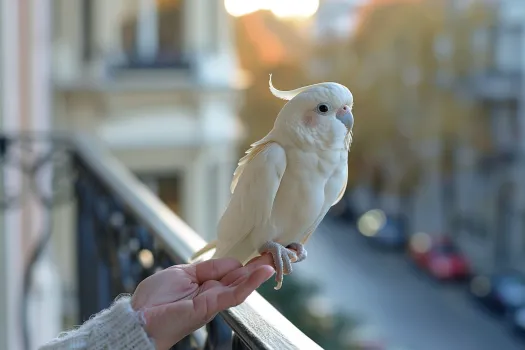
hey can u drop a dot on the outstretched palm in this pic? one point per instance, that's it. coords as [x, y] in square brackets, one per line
[180, 299]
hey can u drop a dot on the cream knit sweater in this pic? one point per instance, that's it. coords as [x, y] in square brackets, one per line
[116, 328]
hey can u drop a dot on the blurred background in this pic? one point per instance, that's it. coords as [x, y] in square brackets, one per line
[426, 251]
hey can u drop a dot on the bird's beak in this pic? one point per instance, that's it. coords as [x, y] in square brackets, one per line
[345, 116]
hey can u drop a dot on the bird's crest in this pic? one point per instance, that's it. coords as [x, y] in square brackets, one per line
[290, 94]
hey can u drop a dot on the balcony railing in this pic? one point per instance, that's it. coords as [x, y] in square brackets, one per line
[162, 61]
[125, 233]
[496, 85]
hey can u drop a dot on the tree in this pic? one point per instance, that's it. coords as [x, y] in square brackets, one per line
[401, 64]
[267, 45]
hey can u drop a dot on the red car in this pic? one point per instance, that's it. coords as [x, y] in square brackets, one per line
[439, 256]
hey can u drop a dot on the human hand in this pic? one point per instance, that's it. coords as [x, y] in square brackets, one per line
[182, 298]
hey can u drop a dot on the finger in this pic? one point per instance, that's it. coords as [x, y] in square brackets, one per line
[237, 275]
[265, 259]
[215, 269]
[234, 276]
[254, 281]
[234, 296]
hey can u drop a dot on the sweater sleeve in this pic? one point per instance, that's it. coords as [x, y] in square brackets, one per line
[116, 328]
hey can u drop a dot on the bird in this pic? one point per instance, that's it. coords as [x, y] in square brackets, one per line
[287, 181]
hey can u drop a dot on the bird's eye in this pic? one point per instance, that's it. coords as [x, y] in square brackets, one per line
[323, 108]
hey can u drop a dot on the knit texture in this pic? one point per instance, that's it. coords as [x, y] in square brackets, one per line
[116, 328]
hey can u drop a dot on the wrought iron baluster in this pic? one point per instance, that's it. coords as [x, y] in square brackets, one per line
[219, 335]
[238, 344]
[120, 237]
[93, 272]
[29, 157]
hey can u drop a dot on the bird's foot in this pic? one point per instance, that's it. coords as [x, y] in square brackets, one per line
[300, 250]
[282, 259]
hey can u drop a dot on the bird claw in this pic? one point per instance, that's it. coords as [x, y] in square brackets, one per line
[300, 251]
[282, 259]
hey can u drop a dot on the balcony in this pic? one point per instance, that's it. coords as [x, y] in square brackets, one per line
[493, 85]
[123, 234]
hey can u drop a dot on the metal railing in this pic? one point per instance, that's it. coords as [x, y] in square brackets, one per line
[125, 233]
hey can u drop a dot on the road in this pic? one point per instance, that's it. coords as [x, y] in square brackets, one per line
[398, 303]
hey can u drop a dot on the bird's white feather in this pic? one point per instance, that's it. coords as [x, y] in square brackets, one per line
[255, 185]
[343, 189]
[286, 183]
[254, 150]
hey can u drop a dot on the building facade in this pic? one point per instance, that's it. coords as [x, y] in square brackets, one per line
[155, 80]
[493, 195]
[25, 100]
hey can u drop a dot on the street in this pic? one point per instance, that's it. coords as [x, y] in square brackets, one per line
[402, 306]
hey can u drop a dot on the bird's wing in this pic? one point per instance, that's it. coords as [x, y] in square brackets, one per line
[255, 149]
[343, 189]
[255, 184]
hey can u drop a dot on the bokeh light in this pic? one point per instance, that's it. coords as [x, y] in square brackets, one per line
[371, 222]
[146, 258]
[421, 242]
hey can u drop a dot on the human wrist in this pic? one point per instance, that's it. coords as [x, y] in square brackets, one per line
[125, 320]
[148, 320]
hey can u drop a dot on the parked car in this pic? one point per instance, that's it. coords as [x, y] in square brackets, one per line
[502, 293]
[518, 320]
[439, 256]
[383, 230]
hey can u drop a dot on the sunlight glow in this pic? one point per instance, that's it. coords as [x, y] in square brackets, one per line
[295, 8]
[239, 8]
[300, 9]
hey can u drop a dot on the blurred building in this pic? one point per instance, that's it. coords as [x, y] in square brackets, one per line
[493, 196]
[338, 19]
[335, 19]
[156, 80]
[480, 198]
[25, 104]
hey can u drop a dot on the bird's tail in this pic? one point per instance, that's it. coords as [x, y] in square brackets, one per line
[204, 250]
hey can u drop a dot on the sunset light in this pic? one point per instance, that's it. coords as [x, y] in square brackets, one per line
[280, 8]
[295, 8]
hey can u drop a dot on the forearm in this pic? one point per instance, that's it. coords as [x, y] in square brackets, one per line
[118, 327]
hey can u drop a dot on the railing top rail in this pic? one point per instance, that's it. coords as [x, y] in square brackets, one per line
[256, 322]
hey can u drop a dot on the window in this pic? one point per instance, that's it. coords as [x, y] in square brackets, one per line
[153, 35]
[508, 48]
[169, 191]
[504, 126]
[166, 187]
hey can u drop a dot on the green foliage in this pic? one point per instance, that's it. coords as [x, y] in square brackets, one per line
[331, 331]
[392, 66]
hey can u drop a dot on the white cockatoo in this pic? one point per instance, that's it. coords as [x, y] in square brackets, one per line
[286, 183]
